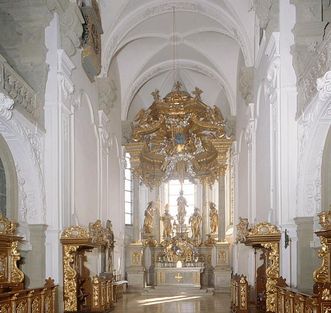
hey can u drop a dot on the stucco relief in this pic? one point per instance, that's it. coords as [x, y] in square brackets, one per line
[23, 96]
[27, 148]
[71, 21]
[107, 94]
[246, 81]
[313, 126]
[262, 10]
[6, 106]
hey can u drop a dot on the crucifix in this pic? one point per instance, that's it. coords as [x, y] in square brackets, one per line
[178, 277]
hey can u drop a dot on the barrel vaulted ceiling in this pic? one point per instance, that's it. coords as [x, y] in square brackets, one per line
[211, 36]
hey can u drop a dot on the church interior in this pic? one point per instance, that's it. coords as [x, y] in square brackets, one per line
[165, 156]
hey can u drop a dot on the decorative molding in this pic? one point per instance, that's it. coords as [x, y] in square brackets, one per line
[313, 126]
[19, 91]
[311, 52]
[108, 94]
[123, 26]
[6, 106]
[324, 87]
[71, 21]
[26, 145]
[67, 96]
[262, 10]
[246, 82]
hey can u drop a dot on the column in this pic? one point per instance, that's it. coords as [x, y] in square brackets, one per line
[204, 211]
[221, 208]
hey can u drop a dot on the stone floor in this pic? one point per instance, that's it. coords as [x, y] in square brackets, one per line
[134, 303]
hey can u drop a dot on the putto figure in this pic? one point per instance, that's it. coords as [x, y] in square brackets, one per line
[213, 215]
[195, 221]
[166, 218]
[148, 220]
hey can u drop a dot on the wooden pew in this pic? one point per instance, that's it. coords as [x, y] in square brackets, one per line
[13, 296]
[83, 292]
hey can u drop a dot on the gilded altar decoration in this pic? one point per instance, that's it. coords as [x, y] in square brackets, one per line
[79, 289]
[321, 275]
[196, 221]
[166, 218]
[98, 233]
[7, 227]
[213, 215]
[17, 276]
[136, 258]
[325, 220]
[148, 220]
[272, 273]
[242, 229]
[75, 232]
[69, 279]
[91, 38]
[265, 236]
[178, 137]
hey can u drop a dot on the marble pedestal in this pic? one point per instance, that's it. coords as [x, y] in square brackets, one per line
[134, 266]
[222, 271]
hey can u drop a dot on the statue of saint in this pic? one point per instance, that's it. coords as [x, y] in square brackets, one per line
[181, 208]
[166, 219]
[148, 220]
[213, 215]
[195, 221]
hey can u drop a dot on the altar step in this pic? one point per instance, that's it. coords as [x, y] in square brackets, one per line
[177, 291]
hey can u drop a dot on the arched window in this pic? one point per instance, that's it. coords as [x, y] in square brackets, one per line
[128, 190]
[3, 188]
[8, 182]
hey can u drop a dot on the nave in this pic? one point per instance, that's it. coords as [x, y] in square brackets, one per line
[135, 303]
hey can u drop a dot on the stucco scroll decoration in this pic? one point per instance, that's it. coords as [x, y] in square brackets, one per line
[312, 130]
[6, 106]
[309, 71]
[246, 81]
[262, 10]
[19, 91]
[107, 94]
[324, 86]
[71, 21]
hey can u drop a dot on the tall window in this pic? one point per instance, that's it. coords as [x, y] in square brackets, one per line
[172, 189]
[128, 190]
[2, 189]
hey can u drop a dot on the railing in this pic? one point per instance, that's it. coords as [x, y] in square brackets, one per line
[102, 294]
[239, 294]
[41, 300]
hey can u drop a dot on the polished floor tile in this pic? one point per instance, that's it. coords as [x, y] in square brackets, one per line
[135, 303]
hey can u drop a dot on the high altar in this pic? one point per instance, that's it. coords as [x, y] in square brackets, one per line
[177, 138]
[182, 259]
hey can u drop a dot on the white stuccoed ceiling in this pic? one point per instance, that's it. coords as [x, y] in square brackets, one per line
[210, 37]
